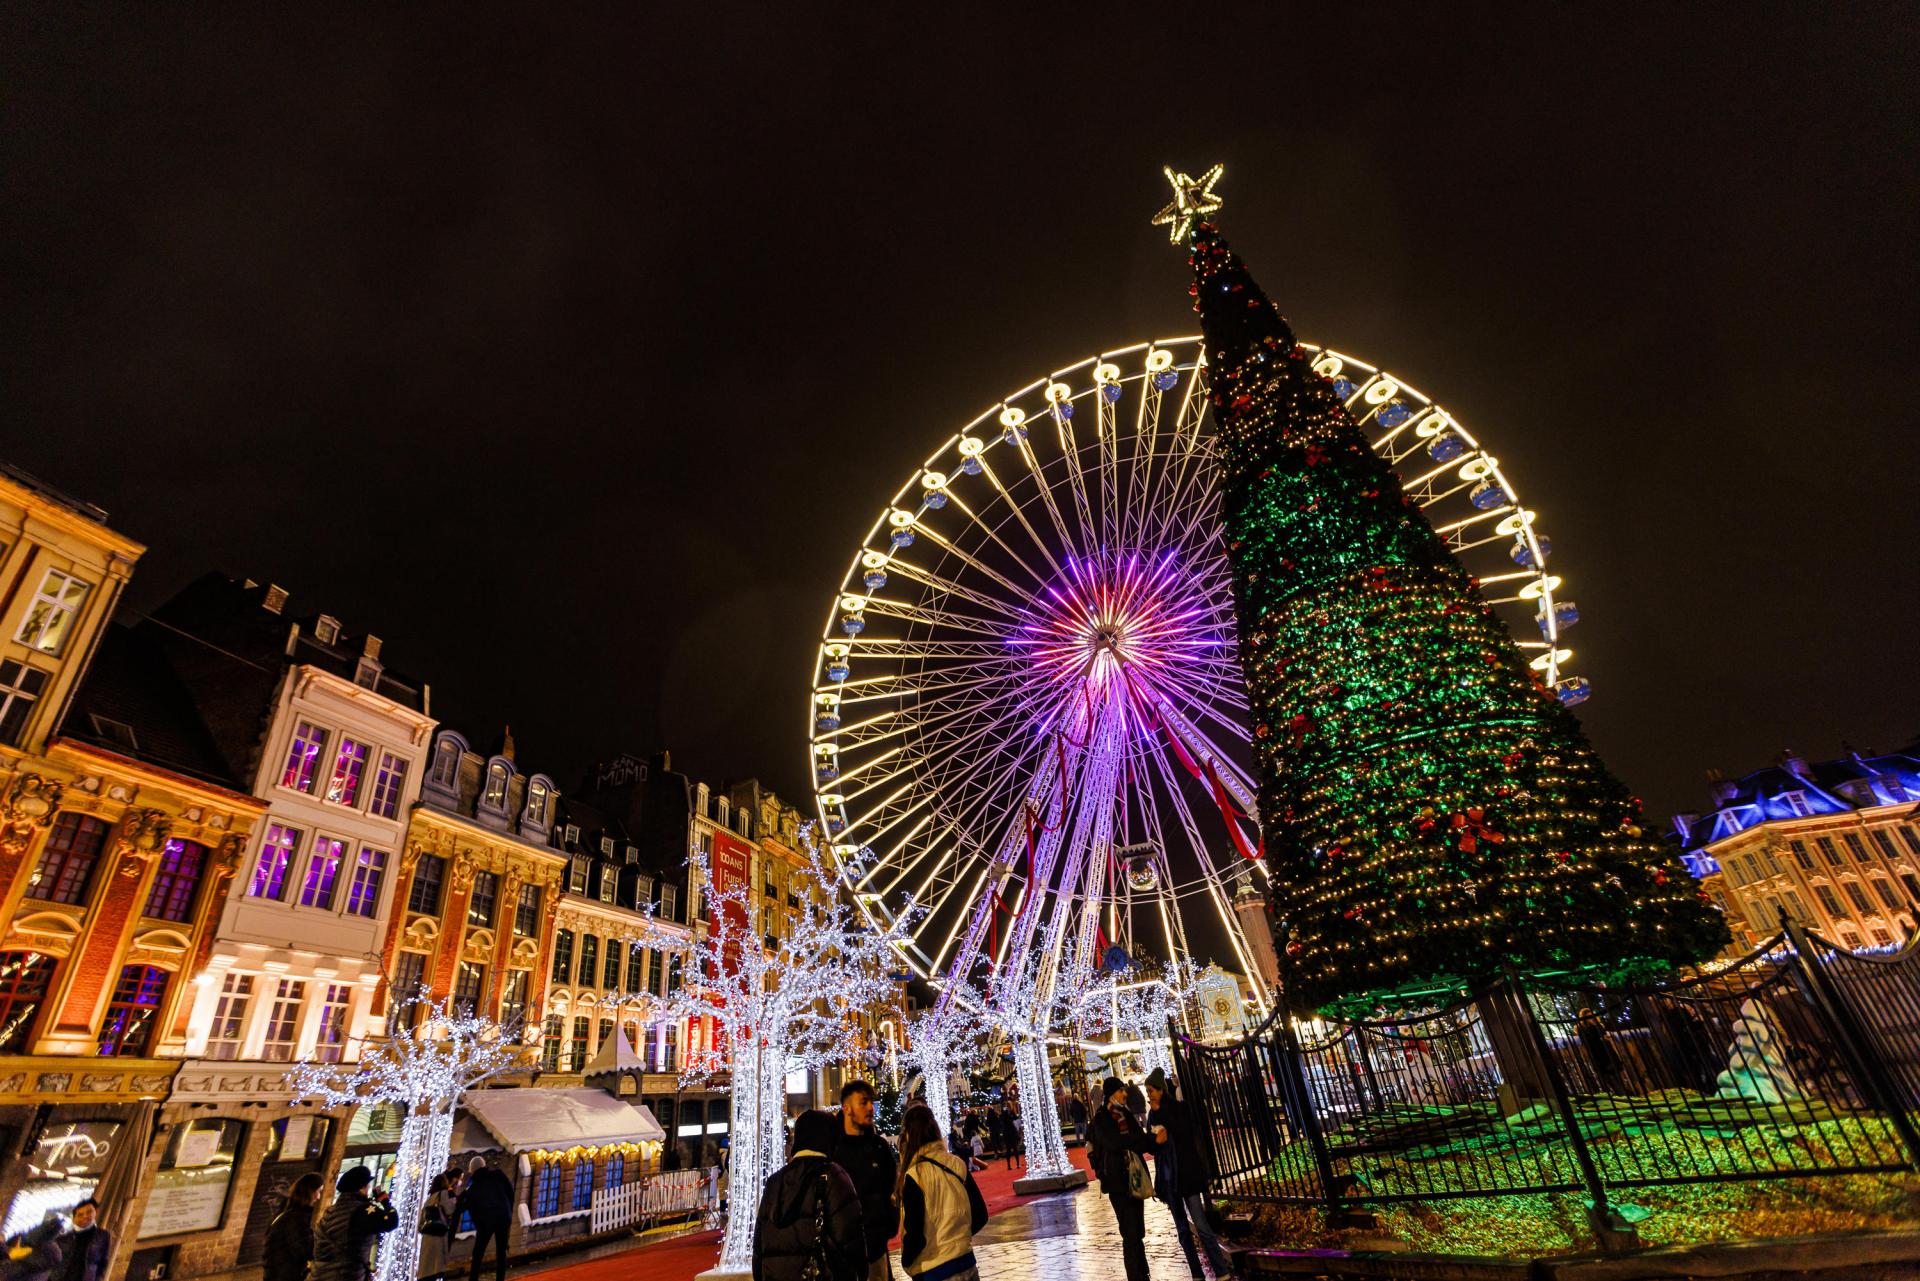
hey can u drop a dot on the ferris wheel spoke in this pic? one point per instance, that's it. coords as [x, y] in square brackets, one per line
[975, 563]
[1023, 449]
[1214, 883]
[1076, 479]
[945, 586]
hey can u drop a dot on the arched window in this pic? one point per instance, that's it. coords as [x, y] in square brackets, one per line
[546, 1190]
[583, 1183]
[24, 979]
[67, 859]
[536, 811]
[496, 793]
[616, 1169]
[446, 761]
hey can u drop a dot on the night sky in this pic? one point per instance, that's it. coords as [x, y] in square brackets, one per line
[573, 353]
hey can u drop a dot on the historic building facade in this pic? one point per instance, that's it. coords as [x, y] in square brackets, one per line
[479, 885]
[121, 826]
[333, 743]
[1835, 844]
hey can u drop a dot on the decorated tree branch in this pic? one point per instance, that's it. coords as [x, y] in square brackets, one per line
[432, 1054]
[775, 1008]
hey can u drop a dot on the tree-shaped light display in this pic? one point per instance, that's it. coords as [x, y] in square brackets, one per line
[1130, 1007]
[775, 1007]
[426, 1069]
[943, 1037]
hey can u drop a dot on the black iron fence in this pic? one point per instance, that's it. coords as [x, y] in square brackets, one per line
[1802, 1059]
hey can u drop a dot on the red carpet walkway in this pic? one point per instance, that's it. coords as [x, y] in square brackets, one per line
[681, 1258]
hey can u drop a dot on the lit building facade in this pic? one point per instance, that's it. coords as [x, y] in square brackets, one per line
[1835, 844]
[333, 742]
[479, 886]
[121, 827]
[598, 984]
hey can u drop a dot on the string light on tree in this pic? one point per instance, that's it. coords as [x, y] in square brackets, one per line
[431, 1056]
[1432, 810]
[776, 1008]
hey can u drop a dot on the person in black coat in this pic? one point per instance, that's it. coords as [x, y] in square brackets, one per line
[488, 1197]
[1117, 1132]
[343, 1239]
[34, 1255]
[1180, 1177]
[869, 1161]
[290, 1237]
[86, 1248]
[810, 1211]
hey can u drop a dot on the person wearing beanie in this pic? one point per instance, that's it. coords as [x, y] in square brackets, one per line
[343, 1239]
[810, 1212]
[1179, 1178]
[1118, 1135]
[488, 1198]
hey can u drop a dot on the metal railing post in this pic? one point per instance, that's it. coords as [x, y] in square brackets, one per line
[1851, 1039]
[1613, 1232]
[1297, 1098]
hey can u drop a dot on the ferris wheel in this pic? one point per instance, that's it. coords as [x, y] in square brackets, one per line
[1028, 726]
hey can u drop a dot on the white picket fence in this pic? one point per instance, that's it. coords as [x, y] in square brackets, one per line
[655, 1197]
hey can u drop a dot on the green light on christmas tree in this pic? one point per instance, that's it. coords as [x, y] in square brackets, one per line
[1432, 812]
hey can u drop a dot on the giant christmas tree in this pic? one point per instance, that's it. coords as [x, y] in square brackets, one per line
[1432, 812]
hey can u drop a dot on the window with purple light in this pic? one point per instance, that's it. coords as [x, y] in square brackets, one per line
[128, 1026]
[323, 872]
[303, 757]
[388, 781]
[276, 860]
[369, 870]
[349, 765]
[176, 880]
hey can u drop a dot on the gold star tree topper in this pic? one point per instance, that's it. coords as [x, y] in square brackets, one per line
[1192, 198]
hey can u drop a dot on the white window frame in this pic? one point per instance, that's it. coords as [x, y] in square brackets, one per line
[60, 618]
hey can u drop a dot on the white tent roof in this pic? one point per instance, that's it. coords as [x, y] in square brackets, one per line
[616, 1055]
[536, 1117]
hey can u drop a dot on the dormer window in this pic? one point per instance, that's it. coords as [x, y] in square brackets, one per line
[446, 762]
[609, 885]
[536, 812]
[366, 673]
[326, 629]
[577, 875]
[606, 846]
[572, 837]
[1796, 803]
[495, 796]
[633, 855]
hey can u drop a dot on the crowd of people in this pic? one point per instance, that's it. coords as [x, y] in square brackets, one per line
[828, 1214]
[306, 1243]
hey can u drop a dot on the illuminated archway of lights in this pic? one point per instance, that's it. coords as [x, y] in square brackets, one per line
[1027, 717]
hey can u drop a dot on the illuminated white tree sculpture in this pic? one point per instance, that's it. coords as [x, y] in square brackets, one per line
[425, 1069]
[941, 1038]
[1132, 1008]
[775, 1007]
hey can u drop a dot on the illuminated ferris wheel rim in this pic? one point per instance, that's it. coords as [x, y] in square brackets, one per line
[1399, 419]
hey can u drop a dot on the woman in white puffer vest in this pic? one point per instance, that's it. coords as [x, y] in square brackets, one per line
[941, 1207]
